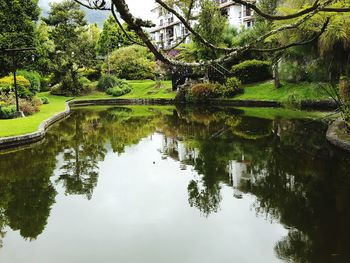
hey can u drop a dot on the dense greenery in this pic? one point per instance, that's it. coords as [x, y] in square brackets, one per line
[132, 62]
[67, 22]
[17, 29]
[252, 71]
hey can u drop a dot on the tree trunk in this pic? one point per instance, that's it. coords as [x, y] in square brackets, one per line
[344, 89]
[276, 75]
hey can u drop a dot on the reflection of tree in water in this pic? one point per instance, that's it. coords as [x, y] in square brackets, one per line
[297, 178]
[82, 152]
[26, 192]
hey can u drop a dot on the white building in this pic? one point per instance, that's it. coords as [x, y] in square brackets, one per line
[170, 30]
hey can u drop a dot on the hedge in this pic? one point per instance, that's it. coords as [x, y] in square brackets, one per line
[252, 71]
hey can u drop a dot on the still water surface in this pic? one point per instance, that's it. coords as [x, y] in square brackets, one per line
[169, 185]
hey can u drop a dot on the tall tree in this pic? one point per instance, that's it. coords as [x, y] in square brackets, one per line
[17, 27]
[67, 23]
[112, 37]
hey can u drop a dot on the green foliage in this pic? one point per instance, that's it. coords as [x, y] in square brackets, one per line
[7, 112]
[107, 81]
[293, 101]
[132, 62]
[44, 48]
[17, 24]
[212, 26]
[112, 37]
[23, 87]
[292, 71]
[90, 73]
[118, 91]
[232, 87]
[21, 81]
[205, 91]
[74, 43]
[45, 100]
[34, 79]
[252, 71]
[120, 87]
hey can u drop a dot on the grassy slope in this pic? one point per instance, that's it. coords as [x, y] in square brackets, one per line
[141, 89]
[31, 123]
[267, 91]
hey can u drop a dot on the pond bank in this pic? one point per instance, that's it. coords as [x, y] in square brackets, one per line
[338, 136]
[20, 140]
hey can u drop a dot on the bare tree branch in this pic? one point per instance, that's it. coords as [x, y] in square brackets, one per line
[178, 43]
[122, 28]
[94, 5]
[137, 25]
[299, 43]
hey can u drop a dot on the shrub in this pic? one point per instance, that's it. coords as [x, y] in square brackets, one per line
[8, 81]
[132, 62]
[205, 91]
[45, 100]
[34, 79]
[233, 87]
[252, 71]
[118, 91]
[45, 83]
[7, 112]
[293, 101]
[29, 107]
[107, 81]
[90, 74]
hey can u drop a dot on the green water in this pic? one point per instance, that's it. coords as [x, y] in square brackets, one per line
[170, 185]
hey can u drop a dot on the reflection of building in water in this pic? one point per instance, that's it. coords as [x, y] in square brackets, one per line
[178, 151]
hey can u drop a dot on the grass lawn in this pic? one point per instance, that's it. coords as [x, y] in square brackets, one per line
[267, 91]
[31, 123]
[141, 89]
[145, 89]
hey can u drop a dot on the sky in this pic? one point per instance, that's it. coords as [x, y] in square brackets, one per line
[140, 8]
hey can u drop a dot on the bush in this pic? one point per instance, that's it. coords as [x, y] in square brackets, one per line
[252, 71]
[293, 101]
[233, 87]
[29, 107]
[45, 100]
[117, 91]
[106, 82]
[34, 79]
[23, 85]
[132, 62]
[7, 112]
[121, 88]
[45, 83]
[90, 74]
[21, 81]
[205, 91]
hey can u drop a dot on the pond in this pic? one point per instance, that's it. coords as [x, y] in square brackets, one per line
[166, 184]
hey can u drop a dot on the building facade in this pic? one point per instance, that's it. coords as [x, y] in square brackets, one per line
[169, 29]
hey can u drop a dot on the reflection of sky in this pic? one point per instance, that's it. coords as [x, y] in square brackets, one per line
[139, 212]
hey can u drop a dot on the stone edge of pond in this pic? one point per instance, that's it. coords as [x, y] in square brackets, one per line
[334, 132]
[20, 140]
